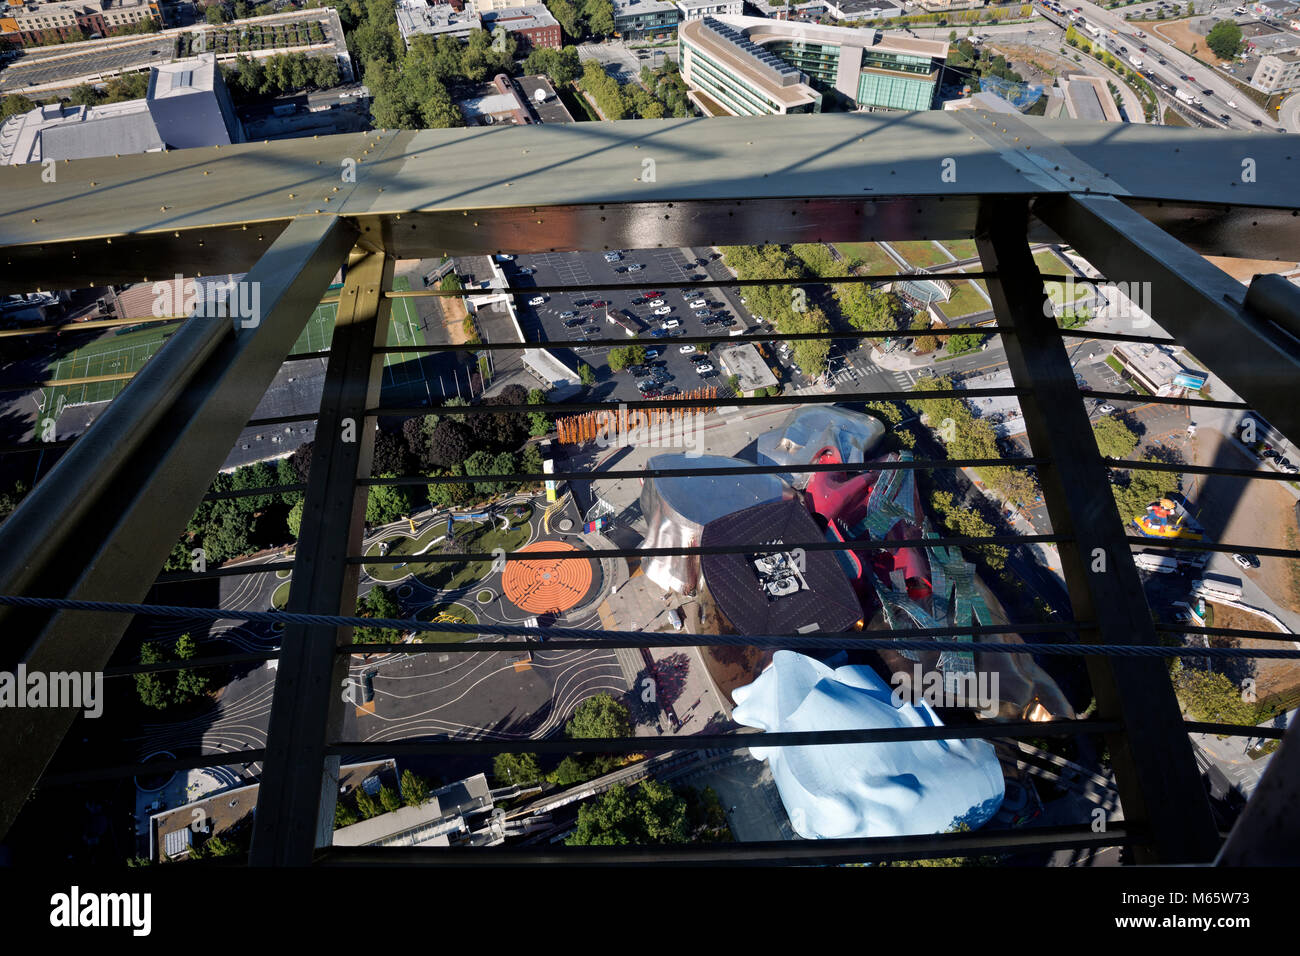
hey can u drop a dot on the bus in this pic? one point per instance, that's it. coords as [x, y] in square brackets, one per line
[1213, 585]
[1157, 563]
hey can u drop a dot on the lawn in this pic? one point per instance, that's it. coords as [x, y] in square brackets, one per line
[870, 255]
[445, 612]
[920, 252]
[965, 300]
[961, 248]
[281, 595]
[479, 537]
[108, 355]
[402, 545]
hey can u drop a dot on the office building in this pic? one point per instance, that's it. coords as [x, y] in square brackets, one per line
[645, 19]
[533, 25]
[187, 105]
[750, 65]
[27, 23]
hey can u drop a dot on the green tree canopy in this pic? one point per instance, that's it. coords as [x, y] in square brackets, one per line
[647, 813]
[1114, 438]
[516, 769]
[599, 716]
[1224, 39]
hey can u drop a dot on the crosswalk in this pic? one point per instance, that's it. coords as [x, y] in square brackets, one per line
[859, 374]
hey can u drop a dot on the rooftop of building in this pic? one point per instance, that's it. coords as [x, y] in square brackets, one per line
[522, 17]
[1086, 98]
[435, 820]
[761, 28]
[625, 8]
[811, 594]
[776, 79]
[981, 100]
[417, 16]
[549, 110]
[745, 362]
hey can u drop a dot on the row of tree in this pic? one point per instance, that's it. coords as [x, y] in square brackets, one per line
[251, 78]
[583, 18]
[414, 792]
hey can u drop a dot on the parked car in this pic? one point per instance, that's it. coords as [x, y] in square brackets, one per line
[653, 295]
[670, 323]
[537, 300]
[701, 313]
[613, 257]
[525, 271]
[634, 268]
[703, 367]
[662, 310]
[671, 390]
[1247, 561]
[699, 357]
[651, 353]
[1105, 408]
[502, 257]
[697, 304]
[655, 303]
[658, 333]
[573, 323]
[685, 349]
[599, 304]
[646, 384]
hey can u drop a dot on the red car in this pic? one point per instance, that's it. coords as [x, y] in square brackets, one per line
[599, 304]
[653, 295]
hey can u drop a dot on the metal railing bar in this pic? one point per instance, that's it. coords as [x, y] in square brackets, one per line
[1124, 463]
[800, 852]
[779, 400]
[1161, 399]
[1189, 545]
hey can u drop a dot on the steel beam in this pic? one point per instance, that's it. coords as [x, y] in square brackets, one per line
[295, 806]
[1156, 774]
[1197, 303]
[102, 522]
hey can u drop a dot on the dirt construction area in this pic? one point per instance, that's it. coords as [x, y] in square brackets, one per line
[1251, 513]
[1181, 36]
[1272, 678]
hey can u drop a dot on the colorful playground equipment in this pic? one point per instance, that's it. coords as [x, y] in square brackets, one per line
[1167, 518]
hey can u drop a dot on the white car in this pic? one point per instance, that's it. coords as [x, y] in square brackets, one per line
[634, 268]
[663, 311]
[537, 300]
[656, 303]
[505, 258]
[686, 349]
[698, 304]
[671, 323]
[1232, 104]
[703, 367]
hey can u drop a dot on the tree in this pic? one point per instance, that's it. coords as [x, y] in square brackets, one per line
[344, 815]
[387, 503]
[377, 602]
[155, 687]
[294, 520]
[450, 494]
[516, 769]
[366, 805]
[585, 373]
[567, 15]
[599, 716]
[1114, 438]
[1225, 39]
[388, 799]
[449, 443]
[648, 813]
[84, 95]
[1210, 696]
[600, 17]
[189, 683]
[963, 342]
[215, 13]
[415, 789]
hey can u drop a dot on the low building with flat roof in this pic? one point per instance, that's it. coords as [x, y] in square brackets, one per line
[981, 101]
[543, 99]
[27, 22]
[452, 815]
[1277, 72]
[745, 363]
[1150, 365]
[435, 19]
[697, 9]
[533, 24]
[863, 9]
[186, 105]
[1088, 98]
[645, 19]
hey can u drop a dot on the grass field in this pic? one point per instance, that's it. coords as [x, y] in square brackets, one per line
[965, 300]
[108, 355]
[404, 371]
[961, 248]
[920, 252]
[452, 611]
[403, 545]
[870, 255]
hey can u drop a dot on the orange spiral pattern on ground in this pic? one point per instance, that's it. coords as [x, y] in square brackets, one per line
[547, 585]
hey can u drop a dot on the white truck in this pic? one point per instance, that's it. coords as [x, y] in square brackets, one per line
[1213, 585]
[1094, 30]
[1155, 563]
[1136, 61]
[1185, 96]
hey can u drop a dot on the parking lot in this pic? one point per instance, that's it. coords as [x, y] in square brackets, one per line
[596, 280]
